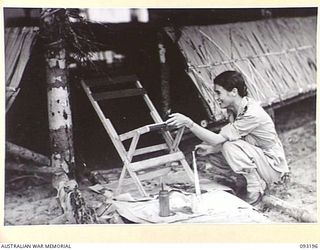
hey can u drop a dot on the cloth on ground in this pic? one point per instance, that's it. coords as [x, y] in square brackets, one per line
[220, 207]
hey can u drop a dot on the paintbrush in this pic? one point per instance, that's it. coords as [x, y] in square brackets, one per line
[196, 176]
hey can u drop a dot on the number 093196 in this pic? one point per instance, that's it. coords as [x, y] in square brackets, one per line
[308, 246]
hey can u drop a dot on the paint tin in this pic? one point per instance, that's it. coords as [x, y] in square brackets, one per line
[164, 208]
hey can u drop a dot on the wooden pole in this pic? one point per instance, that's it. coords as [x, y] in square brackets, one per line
[53, 30]
[26, 154]
[164, 77]
[298, 213]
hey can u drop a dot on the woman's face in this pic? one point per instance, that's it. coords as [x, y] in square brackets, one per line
[224, 97]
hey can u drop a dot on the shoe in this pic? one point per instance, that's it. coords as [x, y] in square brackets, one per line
[256, 187]
[254, 198]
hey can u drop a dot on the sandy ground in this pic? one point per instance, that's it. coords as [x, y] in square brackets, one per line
[30, 200]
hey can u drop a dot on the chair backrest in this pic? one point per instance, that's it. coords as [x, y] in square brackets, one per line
[105, 94]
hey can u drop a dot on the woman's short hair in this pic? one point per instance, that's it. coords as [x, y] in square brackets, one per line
[230, 80]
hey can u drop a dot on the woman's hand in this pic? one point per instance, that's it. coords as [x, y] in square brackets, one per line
[204, 149]
[179, 120]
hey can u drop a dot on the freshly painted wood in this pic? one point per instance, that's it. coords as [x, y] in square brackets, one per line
[157, 161]
[173, 153]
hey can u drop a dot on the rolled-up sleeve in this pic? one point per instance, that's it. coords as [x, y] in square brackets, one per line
[241, 127]
[230, 133]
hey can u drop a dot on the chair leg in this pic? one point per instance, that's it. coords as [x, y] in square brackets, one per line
[135, 178]
[137, 181]
[177, 139]
[122, 175]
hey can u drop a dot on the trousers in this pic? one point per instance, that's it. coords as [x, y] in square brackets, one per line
[241, 166]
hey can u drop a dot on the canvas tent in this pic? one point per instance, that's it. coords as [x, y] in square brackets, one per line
[277, 63]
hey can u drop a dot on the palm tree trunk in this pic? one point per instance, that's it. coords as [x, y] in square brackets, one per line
[59, 115]
[59, 110]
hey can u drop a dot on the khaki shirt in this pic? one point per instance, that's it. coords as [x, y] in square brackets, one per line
[254, 125]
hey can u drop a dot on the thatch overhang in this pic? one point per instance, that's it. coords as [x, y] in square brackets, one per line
[276, 56]
[18, 46]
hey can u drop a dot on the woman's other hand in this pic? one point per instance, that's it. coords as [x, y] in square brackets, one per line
[204, 149]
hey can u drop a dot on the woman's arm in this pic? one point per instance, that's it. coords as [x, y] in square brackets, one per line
[178, 120]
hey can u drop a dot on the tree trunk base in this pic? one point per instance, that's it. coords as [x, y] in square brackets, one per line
[69, 197]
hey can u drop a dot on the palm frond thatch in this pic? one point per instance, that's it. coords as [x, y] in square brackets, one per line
[277, 57]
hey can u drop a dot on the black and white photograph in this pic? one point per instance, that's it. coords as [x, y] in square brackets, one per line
[160, 116]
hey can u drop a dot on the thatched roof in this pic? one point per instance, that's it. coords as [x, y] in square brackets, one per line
[277, 57]
[18, 46]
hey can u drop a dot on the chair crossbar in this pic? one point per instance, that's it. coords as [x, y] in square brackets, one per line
[142, 130]
[104, 81]
[151, 149]
[117, 94]
[157, 161]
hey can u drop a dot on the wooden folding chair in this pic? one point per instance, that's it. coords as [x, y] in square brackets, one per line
[173, 154]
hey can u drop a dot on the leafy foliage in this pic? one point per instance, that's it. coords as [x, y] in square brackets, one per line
[71, 29]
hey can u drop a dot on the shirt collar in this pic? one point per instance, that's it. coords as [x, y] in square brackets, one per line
[243, 106]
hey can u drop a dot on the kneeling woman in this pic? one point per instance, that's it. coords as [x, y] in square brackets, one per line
[249, 145]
